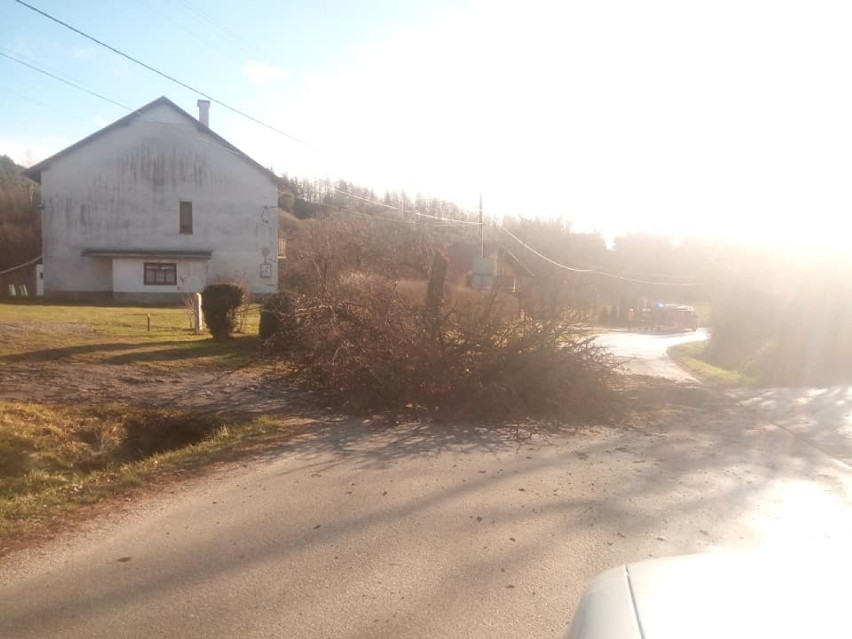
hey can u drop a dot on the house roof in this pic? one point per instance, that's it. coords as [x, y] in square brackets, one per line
[34, 172]
[158, 253]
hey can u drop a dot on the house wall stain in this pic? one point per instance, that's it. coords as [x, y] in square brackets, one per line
[163, 168]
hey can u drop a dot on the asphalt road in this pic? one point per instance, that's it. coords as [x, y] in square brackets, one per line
[645, 353]
[353, 530]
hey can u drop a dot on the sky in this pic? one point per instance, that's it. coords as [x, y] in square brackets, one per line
[724, 118]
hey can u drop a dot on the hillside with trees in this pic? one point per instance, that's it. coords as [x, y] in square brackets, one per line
[20, 230]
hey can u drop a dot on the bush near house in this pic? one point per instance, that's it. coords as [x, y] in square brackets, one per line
[220, 305]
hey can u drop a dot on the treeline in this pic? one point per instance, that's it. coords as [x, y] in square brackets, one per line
[571, 270]
[306, 198]
[20, 223]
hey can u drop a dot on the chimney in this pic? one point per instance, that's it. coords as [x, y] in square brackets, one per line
[204, 112]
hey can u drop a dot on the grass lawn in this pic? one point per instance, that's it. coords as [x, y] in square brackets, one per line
[690, 357]
[56, 459]
[117, 335]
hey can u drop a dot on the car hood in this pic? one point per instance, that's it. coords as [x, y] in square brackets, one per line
[719, 595]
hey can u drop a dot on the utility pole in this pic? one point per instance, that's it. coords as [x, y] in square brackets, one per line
[481, 230]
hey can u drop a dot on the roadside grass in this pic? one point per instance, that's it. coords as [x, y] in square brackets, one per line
[55, 461]
[690, 357]
[109, 334]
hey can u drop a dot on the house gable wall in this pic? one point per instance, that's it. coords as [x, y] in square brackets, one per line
[122, 190]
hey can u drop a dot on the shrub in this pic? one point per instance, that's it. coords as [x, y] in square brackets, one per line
[368, 349]
[220, 304]
[530, 369]
[278, 319]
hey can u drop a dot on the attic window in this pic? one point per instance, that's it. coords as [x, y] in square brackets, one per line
[186, 218]
[160, 273]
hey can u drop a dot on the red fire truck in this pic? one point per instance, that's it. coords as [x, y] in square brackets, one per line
[670, 317]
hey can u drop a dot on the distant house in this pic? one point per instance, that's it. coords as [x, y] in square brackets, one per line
[153, 206]
[499, 268]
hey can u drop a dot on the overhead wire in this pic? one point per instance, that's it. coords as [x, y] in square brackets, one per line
[179, 83]
[165, 19]
[63, 80]
[593, 271]
[217, 28]
[182, 131]
[167, 76]
[177, 129]
[199, 92]
[445, 221]
[542, 255]
[643, 275]
[366, 199]
[29, 98]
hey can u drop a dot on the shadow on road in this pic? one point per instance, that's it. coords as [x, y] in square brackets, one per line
[424, 517]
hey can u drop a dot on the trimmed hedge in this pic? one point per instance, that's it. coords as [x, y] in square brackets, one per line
[220, 303]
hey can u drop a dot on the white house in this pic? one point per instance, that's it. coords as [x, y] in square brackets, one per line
[153, 206]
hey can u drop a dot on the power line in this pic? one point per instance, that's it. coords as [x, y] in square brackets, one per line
[366, 199]
[451, 222]
[384, 218]
[448, 220]
[235, 153]
[165, 19]
[176, 128]
[217, 28]
[63, 80]
[167, 76]
[591, 271]
[445, 221]
[379, 217]
[106, 99]
[34, 100]
[194, 90]
[541, 255]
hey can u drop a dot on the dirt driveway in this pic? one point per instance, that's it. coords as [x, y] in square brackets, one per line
[251, 390]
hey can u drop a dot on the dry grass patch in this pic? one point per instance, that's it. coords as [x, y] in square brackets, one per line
[55, 459]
